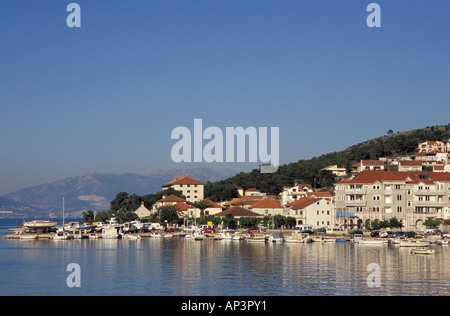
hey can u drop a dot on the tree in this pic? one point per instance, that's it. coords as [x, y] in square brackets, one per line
[290, 221]
[279, 220]
[432, 223]
[169, 213]
[103, 216]
[395, 223]
[229, 221]
[88, 216]
[367, 224]
[202, 206]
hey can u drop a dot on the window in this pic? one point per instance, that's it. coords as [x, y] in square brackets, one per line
[399, 209]
[399, 197]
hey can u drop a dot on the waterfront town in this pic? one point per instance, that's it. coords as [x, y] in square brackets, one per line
[413, 190]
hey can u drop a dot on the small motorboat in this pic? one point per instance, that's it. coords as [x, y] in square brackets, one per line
[422, 251]
[370, 242]
[342, 240]
[261, 239]
[130, 237]
[442, 242]
[276, 237]
[28, 237]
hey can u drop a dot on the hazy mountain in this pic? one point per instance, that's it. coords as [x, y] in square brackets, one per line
[12, 209]
[96, 190]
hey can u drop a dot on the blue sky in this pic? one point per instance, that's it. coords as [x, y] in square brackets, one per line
[105, 97]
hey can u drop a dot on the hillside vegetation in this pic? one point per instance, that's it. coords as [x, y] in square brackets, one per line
[308, 171]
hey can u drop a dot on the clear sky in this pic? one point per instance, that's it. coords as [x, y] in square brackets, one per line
[105, 97]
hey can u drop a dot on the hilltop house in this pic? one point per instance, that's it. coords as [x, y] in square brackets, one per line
[367, 165]
[191, 188]
[430, 145]
[337, 171]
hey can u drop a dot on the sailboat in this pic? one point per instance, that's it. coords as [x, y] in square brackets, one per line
[61, 234]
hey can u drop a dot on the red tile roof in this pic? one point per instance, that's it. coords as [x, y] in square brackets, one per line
[186, 179]
[237, 211]
[369, 176]
[248, 200]
[213, 204]
[181, 206]
[266, 203]
[172, 198]
[303, 202]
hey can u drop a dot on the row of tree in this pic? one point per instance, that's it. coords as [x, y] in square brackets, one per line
[310, 171]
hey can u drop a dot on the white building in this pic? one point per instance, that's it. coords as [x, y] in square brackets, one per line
[317, 212]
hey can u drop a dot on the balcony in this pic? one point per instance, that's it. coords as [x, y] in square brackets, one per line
[355, 191]
[355, 203]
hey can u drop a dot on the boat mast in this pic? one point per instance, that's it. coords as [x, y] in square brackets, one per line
[63, 213]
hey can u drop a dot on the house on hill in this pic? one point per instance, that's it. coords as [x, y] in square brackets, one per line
[368, 165]
[431, 145]
[191, 188]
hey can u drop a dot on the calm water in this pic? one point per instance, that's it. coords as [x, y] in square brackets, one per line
[175, 266]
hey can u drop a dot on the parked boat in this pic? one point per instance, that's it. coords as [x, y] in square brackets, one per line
[296, 238]
[198, 236]
[422, 251]
[130, 237]
[342, 240]
[39, 224]
[238, 236]
[93, 236]
[413, 243]
[276, 237]
[109, 233]
[316, 238]
[28, 236]
[329, 239]
[442, 242]
[62, 235]
[370, 242]
[257, 239]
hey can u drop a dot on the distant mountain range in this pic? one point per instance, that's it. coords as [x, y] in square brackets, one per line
[93, 191]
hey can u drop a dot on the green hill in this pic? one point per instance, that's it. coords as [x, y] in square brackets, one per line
[308, 171]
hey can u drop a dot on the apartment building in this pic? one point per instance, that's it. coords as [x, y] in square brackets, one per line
[412, 197]
[192, 189]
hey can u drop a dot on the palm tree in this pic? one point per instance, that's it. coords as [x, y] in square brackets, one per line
[169, 213]
[202, 206]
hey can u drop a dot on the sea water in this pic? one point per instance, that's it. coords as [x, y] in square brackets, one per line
[186, 267]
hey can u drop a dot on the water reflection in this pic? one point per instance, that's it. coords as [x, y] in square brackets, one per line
[175, 266]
